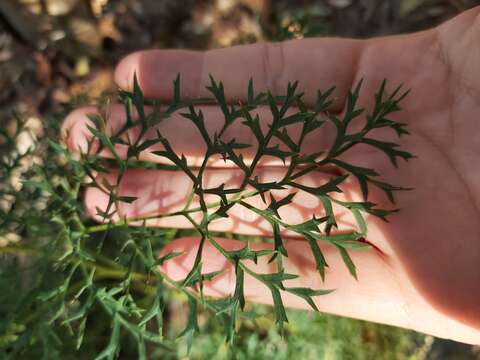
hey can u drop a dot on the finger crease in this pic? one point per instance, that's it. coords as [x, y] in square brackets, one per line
[273, 65]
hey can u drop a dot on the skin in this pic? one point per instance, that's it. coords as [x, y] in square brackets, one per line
[425, 271]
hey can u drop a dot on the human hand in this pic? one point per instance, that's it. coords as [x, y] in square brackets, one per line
[424, 270]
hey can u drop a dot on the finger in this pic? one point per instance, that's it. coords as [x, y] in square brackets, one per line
[185, 138]
[298, 262]
[382, 294]
[160, 192]
[316, 63]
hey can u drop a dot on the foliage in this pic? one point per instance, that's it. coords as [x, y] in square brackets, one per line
[309, 336]
[97, 289]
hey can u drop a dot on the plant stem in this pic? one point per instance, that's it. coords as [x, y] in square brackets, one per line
[128, 221]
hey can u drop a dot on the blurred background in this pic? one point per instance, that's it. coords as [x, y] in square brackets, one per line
[53, 50]
[58, 52]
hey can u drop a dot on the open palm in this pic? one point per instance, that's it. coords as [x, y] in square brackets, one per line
[424, 273]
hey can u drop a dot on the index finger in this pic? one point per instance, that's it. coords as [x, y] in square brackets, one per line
[315, 63]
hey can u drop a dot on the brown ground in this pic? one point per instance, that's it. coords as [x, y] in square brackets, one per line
[51, 50]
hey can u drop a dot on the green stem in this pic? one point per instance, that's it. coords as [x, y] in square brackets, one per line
[104, 227]
[19, 249]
